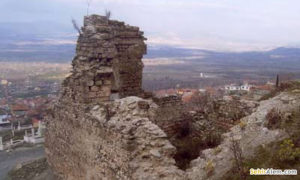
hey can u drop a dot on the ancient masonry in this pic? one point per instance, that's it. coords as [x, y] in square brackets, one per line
[104, 126]
[108, 62]
[95, 130]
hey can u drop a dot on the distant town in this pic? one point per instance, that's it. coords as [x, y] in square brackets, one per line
[24, 101]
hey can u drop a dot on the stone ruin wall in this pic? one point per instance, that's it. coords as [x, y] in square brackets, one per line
[170, 114]
[108, 66]
[108, 62]
[113, 140]
[92, 133]
[96, 131]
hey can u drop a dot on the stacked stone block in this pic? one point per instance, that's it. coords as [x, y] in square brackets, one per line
[94, 131]
[169, 115]
[108, 62]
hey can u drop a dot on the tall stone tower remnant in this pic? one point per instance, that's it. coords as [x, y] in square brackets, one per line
[100, 127]
[108, 62]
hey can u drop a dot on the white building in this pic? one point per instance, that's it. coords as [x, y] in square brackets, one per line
[3, 120]
[245, 87]
[233, 87]
[33, 137]
[1, 144]
[202, 90]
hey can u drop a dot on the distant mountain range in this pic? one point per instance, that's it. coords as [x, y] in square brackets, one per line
[54, 42]
[168, 51]
[56, 51]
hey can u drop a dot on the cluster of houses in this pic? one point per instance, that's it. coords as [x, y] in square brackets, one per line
[255, 92]
[24, 117]
[187, 93]
[26, 111]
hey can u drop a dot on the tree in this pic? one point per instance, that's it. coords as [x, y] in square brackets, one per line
[107, 14]
[238, 157]
[75, 25]
[277, 81]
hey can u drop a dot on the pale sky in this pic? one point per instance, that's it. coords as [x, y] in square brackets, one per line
[226, 25]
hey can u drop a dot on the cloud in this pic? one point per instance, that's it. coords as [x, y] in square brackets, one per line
[46, 42]
[160, 3]
[209, 43]
[210, 24]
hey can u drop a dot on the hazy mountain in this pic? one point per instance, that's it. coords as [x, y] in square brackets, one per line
[54, 42]
[36, 41]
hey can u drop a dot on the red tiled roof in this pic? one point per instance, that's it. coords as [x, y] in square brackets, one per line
[34, 120]
[187, 97]
[19, 107]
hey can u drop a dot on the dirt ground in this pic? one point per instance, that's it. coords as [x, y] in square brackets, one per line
[33, 170]
[9, 160]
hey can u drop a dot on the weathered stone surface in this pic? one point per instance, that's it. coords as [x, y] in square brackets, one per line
[114, 140]
[108, 58]
[93, 134]
[90, 137]
[252, 136]
[119, 140]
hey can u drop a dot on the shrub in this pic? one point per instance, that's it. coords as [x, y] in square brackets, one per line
[75, 26]
[270, 95]
[185, 129]
[284, 86]
[217, 150]
[288, 151]
[238, 157]
[242, 125]
[209, 168]
[274, 118]
[212, 139]
[107, 14]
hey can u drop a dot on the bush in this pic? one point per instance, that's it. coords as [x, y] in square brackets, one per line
[212, 139]
[270, 95]
[285, 86]
[242, 125]
[217, 150]
[209, 168]
[185, 129]
[274, 118]
[288, 151]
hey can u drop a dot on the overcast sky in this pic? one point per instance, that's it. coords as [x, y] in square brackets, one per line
[234, 25]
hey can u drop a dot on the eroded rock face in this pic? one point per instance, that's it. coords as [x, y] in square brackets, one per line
[253, 135]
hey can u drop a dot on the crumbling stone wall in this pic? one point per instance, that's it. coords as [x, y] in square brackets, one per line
[93, 132]
[108, 62]
[112, 140]
[89, 137]
[169, 116]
